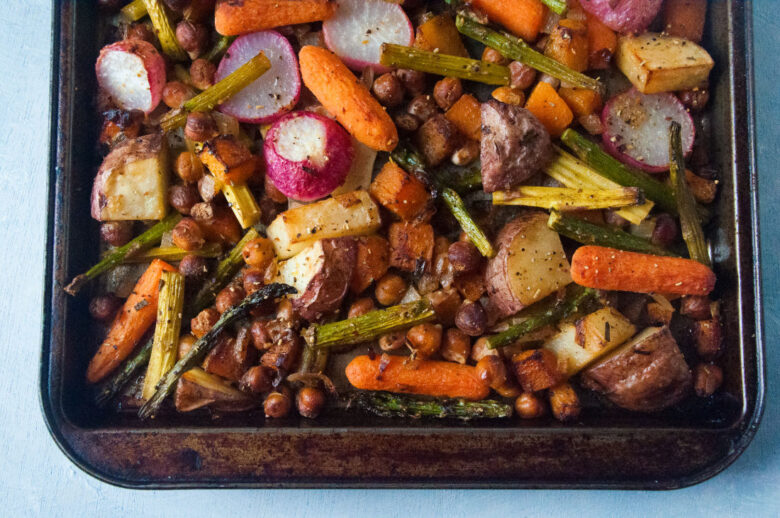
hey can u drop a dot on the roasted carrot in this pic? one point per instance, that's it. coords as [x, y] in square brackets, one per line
[372, 262]
[582, 101]
[400, 193]
[411, 244]
[232, 18]
[602, 43]
[131, 323]
[427, 377]
[685, 18]
[523, 18]
[228, 160]
[612, 269]
[465, 114]
[551, 110]
[347, 99]
[568, 44]
[439, 34]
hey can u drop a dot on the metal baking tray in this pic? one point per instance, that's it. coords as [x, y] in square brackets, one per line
[605, 449]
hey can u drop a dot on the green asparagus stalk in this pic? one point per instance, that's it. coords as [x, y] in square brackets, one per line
[566, 198]
[556, 6]
[370, 326]
[219, 93]
[591, 234]
[132, 366]
[385, 404]
[461, 179]
[219, 48]
[166, 332]
[690, 226]
[467, 223]
[399, 56]
[546, 312]
[119, 254]
[226, 269]
[165, 33]
[173, 253]
[207, 342]
[134, 11]
[518, 50]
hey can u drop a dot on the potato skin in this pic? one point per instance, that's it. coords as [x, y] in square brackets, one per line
[328, 287]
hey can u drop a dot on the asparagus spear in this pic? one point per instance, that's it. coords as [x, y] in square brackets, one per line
[134, 11]
[690, 225]
[369, 326]
[111, 387]
[385, 404]
[591, 234]
[119, 254]
[207, 342]
[556, 6]
[219, 48]
[220, 92]
[518, 50]
[566, 198]
[173, 253]
[164, 30]
[461, 179]
[467, 223]
[166, 332]
[542, 314]
[399, 56]
[243, 203]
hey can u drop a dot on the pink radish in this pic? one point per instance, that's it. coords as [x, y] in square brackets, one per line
[636, 128]
[307, 155]
[274, 93]
[132, 73]
[356, 31]
[624, 16]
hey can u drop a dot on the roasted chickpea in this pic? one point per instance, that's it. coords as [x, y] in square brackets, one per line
[188, 167]
[493, 56]
[695, 99]
[202, 73]
[207, 187]
[183, 197]
[466, 154]
[464, 257]
[200, 127]
[193, 266]
[258, 252]
[175, 93]
[392, 341]
[286, 313]
[390, 289]
[413, 81]
[278, 403]
[591, 123]
[310, 401]
[388, 90]
[492, 370]
[471, 319]
[406, 122]
[480, 349]
[529, 406]
[707, 379]
[187, 235]
[229, 297]
[140, 31]
[423, 107]
[564, 402]
[116, 233]
[521, 76]
[254, 279]
[203, 211]
[696, 307]
[272, 192]
[185, 344]
[204, 321]
[257, 380]
[446, 91]
[193, 37]
[665, 230]
[614, 219]
[456, 346]
[360, 307]
[104, 307]
[424, 339]
[261, 337]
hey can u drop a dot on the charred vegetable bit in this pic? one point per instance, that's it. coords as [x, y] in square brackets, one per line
[385, 404]
[542, 314]
[690, 225]
[370, 326]
[134, 11]
[220, 92]
[518, 50]
[206, 343]
[166, 333]
[132, 366]
[119, 254]
[556, 6]
[164, 30]
[219, 48]
[173, 253]
[564, 198]
[467, 223]
[441, 64]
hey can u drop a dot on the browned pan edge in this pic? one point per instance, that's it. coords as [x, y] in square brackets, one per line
[627, 456]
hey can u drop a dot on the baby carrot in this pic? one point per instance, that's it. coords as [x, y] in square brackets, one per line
[232, 18]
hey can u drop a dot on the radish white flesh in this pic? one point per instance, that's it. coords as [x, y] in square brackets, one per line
[626, 16]
[356, 31]
[274, 93]
[132, 73]
[636, 128]
[307, 155]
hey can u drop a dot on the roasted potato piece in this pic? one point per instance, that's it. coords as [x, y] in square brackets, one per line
[197, 388]
[371, 262]
[401, 193]
[536, 369]
[410, 245]
[232, 356]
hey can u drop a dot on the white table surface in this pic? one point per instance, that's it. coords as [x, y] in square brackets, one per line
[37, 480]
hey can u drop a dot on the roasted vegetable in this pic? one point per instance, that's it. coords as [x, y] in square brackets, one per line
[563, 198]
[166, 334]
[385, 404]
[132, 72]
[467, 223]
[444, 65]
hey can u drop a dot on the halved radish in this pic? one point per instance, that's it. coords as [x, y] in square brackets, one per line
[356, 31]
[307, 155]
[624, 16]
[636, 128]
[132, 73]
[274, 93]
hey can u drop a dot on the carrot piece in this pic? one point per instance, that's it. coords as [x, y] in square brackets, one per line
[400, 193]
[552, 111]
[440, 33]
[229, 160]
[131, 323]
[602, 43]
[685, 18]
[232, 18]
[410, 244]
[611, 269]
[372, 262]
[524, 18]
[340, 92]
[582, 101]
[536, 369]
[465, 115]
[568, 44]
[426, 377]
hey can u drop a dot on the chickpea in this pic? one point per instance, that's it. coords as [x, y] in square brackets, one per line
[480, 349]
[707, 379]
[695, 99]
[310, 401]
[183, 197]
[202, 73]
[360, 307]
[272, 192]
[193, 266]
[614, 219]
[491, 369]
[493, 56]
[116, 233]
[200, 127]
[175, 93]
[278, 403]
[261, 337]
[203, 211]
[529, 406]
[188, 167]
[193, 37]
[407, 122]
[471, 319]
[204, 321]
[696, 307]
[446, 303]
[591, 123]
[413, 81]
[456, 346]
[425, 339]
[447, 91]
[388, 90]
[254, 279]
[464, 257]
[286, 313]
[229, 297]
[185, 344]
[564, 402]
[665, 230]
[140, 31]
[392, 341]
[423, 107]
[187, 235]
[103, 307]
[258, 252]
[257, 380]
[208, 189]
[390, 289]
[521, 75]
[466, 154]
